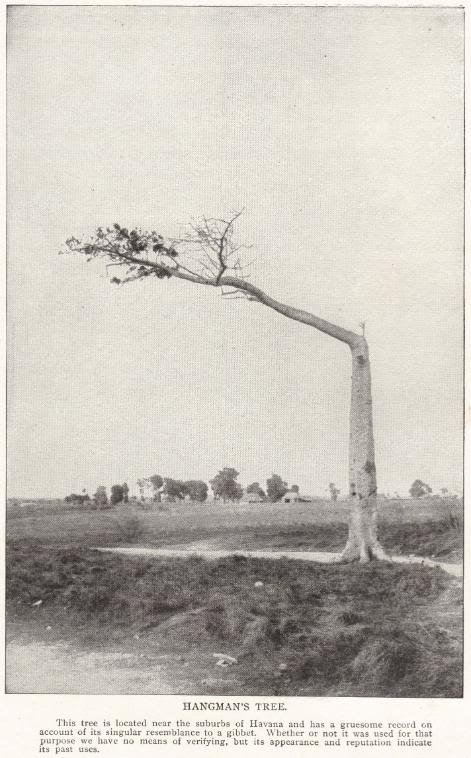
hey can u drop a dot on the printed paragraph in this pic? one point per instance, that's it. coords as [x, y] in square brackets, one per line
[67, 736]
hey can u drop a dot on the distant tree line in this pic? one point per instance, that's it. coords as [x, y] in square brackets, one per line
[158, 488]
[224, 486]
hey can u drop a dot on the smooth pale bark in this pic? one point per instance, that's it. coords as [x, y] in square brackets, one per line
[362, 542]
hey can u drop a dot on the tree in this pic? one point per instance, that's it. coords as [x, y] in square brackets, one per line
[125, 493]
[419, 489]
[224, 485]
[100, 497]
[143, 486]
[276, 488]
[255, 489]
[207, 255]
[117, 494]
[157, 483]
[295, 488]
[334, 492]
[174, 488]
[197, 490]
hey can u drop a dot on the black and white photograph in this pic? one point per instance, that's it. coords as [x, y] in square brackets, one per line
[235, 351]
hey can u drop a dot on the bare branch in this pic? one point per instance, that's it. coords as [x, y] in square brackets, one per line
[238, 295]
[209, 243]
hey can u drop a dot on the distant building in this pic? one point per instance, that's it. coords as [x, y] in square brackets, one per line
[253, 497]
[292, 496]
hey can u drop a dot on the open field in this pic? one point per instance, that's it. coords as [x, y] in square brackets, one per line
[153, 624]
[429, 527]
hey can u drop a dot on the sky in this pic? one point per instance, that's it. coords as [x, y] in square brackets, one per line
[340, 132]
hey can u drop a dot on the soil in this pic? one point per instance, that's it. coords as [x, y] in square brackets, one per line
[37, 666]
[137, 667]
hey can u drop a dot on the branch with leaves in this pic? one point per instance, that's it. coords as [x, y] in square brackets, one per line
[203, 254]
[206, 253]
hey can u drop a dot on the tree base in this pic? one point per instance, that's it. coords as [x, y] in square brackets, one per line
[362, 542]
[362, 552]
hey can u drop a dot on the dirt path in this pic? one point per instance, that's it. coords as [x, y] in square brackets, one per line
[205, 550]
[45, 668]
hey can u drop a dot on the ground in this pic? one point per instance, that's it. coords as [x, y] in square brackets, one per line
[82, 621]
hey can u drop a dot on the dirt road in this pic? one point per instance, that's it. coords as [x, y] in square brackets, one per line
[206, 550]
[39, 667]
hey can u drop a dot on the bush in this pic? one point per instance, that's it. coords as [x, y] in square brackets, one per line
[130, 526]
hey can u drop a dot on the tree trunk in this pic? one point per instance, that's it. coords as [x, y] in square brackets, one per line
[362, 543]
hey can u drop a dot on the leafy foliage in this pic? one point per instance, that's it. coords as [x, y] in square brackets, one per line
[117, 494]
[197, 490]
[224, 485]
[125, 248]
[175, 488]
[204, 252]
[419, 489]
[157, 482]
[255, 489]
[276, 487]
[100, 497]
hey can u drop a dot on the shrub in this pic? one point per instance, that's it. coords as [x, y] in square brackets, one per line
[130, 526]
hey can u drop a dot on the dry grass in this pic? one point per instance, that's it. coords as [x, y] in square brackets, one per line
[307, 629]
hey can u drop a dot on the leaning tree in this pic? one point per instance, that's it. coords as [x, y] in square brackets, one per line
[207, 254]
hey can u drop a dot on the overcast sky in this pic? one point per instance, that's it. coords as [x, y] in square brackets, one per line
[340, 133]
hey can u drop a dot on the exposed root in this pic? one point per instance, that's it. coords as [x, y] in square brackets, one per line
[362, 543]
[362, 552]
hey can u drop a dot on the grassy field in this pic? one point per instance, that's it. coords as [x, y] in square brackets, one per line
[294, 628]
[428, 527]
